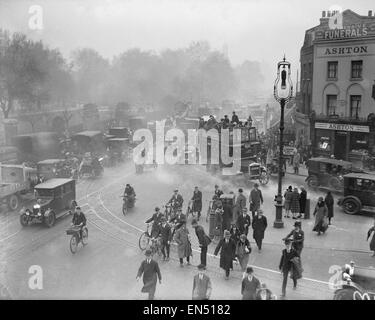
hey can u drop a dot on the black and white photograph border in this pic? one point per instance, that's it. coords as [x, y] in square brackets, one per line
[187, 150]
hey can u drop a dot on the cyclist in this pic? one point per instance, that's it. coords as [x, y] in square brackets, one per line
[156, 219]
[130, 194]
[176, 201]
[79, 220]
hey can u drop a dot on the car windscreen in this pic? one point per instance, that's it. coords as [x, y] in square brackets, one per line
[45, 192]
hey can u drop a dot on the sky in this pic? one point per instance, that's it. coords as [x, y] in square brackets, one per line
[250, 29]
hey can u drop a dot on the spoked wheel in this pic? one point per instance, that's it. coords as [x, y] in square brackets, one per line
[85, 236]
[351, 206]
[51, 219]
[344, 294]
[73, 244]
[264, 178]
[144, 241]
[13, 202]
[24, 220]
[125, 208]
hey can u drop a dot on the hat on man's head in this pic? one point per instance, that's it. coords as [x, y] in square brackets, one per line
[201, 267]
[297, 223]
[240, 190]
[157, 209]
[256, 185]
[175, 190]
[249, 270]
[226, 233]
[194, 221]
[243, 236]
[148, 253]
[244, 209]
[78, 208]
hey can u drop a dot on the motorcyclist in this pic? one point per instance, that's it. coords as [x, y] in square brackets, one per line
[176, 201]
[79, 220]
[129, 193]
[156, 219]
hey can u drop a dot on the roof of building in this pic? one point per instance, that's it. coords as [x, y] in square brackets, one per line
[52, 183]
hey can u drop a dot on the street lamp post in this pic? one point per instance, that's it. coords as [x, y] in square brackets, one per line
[283, 91]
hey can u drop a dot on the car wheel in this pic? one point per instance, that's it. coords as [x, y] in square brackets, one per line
[24, 220]
[51, 219]
[13, 202]
[312, 182]
[344, 294]
[264, 178]
[73, 244]
[351, 206]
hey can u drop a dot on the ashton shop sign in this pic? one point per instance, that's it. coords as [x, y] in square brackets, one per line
[341, 127]
[346, 50]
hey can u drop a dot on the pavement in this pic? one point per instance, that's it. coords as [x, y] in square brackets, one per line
[107, 266]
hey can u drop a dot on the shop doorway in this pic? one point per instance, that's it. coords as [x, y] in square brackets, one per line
[340, 145]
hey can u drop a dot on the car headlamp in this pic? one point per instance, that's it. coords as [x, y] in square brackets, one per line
[39, 214]
[36, 206]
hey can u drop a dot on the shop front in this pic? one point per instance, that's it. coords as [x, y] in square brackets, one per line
[348, 142]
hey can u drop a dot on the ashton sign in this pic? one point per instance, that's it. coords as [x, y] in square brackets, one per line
[351, 50]
[346, 50]
[341, 127]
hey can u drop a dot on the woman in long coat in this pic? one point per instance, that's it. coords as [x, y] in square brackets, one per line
[227, 248]
[302, 200]
[320, 213]
[372, 242]
[329, 203]
[294, 204]
[183, 244]
[243, 251]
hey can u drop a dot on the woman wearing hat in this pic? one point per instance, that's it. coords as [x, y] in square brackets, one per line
[320, 213]
[227, 248]
[243, 250]
[294, 204]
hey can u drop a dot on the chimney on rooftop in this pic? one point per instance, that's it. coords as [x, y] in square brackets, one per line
[323, 14]
[370, 13]
[328, 14]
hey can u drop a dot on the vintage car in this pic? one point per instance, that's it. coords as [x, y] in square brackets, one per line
[53, 199]
[16, 184]
[355, 283]
[328, 173]
[50, 168]
[91, 166]
[359, 193]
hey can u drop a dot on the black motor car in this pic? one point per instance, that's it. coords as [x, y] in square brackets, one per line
[53, 199]
[328, 173]
[359, 193]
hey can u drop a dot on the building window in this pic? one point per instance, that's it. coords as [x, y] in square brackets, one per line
[357, 69]
[355, 106]
[359, 143]
[332, 70]
[331, 104]
[310, 70]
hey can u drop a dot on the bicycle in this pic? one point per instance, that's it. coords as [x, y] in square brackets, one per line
[146, 241]
[76, 238]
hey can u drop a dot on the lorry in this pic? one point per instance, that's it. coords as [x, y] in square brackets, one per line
[16, 183]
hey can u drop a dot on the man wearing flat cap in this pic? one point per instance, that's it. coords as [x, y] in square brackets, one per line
[202, 287]
[150, 270]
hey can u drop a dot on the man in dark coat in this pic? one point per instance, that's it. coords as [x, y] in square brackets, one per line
[235, 118]
[250, 285]
[329, 203]
[166, 237]
[244, 222]
[227, 249]
[197, 201]
[202, 287]
[203, 239]
[286, 264]
[176, 201]
[302, 201]
[259, 226]
[150, 271]
[298, 237]
[156, 219]
[256, 199]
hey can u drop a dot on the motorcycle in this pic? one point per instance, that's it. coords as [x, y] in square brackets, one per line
[128, 203]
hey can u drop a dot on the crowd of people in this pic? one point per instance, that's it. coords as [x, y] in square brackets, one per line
[224, 123]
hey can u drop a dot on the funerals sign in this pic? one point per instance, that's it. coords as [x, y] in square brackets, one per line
[341, 127]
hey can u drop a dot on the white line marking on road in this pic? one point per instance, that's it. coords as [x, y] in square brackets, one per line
[10, 236]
